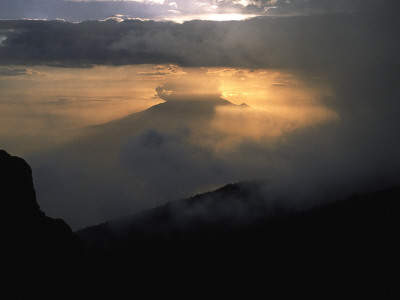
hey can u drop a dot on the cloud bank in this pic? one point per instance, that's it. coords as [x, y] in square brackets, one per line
[302, 42]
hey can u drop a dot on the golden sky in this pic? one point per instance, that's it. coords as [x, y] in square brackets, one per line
[42, 103]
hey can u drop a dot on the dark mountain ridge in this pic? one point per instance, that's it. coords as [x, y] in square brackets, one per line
[227, 208]
[342, 250]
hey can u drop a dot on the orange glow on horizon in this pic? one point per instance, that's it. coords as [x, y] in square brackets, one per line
[46, 101]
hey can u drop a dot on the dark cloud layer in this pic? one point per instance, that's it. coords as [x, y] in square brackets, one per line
[307, 7]
[310, 42]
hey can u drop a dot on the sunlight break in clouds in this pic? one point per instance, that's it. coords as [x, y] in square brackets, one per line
[277, 92]
[210, 17]
[49, 101]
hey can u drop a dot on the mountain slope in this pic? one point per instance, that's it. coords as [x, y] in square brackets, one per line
[169, 151]
[343, 250]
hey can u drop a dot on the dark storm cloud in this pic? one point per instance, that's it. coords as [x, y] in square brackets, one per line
[68, 44]
[312, 42]
[307, 7]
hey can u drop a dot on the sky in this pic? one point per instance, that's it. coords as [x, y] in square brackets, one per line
[121, 106]
[174, 10]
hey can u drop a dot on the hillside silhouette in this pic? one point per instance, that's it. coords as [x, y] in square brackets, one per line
[39, 254]
[343, 250]
[225, 244]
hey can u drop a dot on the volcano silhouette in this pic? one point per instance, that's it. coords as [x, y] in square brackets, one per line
[164, 153]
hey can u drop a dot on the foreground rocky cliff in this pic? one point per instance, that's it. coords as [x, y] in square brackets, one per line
[39, 254]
